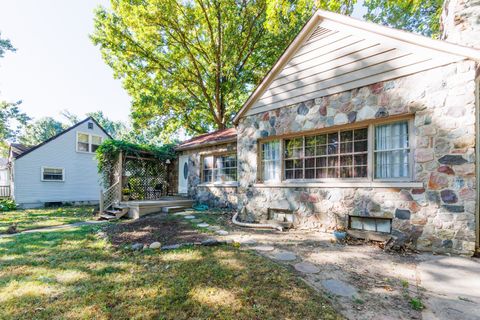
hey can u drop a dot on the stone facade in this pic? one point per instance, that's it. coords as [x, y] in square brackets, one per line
[461, 22]
[215, 196]
[438, 215]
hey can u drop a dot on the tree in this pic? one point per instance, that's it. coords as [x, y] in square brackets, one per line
[11, 118]
[420, 16]
[192, 64]
[5, 45]
[40, 131]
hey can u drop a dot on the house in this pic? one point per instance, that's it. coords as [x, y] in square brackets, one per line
[4, 178]
[62, 169]
[356, 125]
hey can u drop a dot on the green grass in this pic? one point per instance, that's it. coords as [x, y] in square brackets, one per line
[75, 275]
[39, 218]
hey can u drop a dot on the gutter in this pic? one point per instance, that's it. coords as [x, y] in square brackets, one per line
[207, 144]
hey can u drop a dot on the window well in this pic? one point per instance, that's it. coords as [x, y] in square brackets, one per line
[383, 225]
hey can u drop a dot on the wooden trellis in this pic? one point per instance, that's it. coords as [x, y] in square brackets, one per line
[145, 178]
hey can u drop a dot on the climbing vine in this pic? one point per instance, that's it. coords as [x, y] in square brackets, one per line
[108, 152]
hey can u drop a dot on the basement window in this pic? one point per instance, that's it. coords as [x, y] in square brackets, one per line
[383, 225]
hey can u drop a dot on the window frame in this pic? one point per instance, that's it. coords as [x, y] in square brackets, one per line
[90, 140]
[42, 171]
[215, 156]
[370, 125]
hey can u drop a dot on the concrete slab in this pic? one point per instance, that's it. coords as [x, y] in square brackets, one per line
[285, 256]
[306, 267]
[203, 225]
[263, 248]
[339, 288]
[452, 287]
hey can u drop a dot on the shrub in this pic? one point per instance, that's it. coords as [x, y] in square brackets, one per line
[7, 205]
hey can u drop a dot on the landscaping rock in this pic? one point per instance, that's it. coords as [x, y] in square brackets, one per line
[210, 242]
[285, 256]
[203, 225]
[306, 267]
[155, 245]
[137, 246]
[197, 220]
[189, 217]
[171, 247]
[263, 248]
[339, 288]
[221, 232]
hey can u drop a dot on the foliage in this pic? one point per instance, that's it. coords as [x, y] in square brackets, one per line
[7, 205]
[40, 130]
[192, 64]
[5, 45]
[108, 152]
[420, 16]
[416, 304]
[76, 274]
[47, 217]
[11, 119]
[115, 128]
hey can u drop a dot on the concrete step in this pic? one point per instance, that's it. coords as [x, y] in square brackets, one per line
[174, 209]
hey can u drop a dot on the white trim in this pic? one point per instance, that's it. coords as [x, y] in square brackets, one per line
[233, 184]
[353, 184]
[90, 136]
[477, 148]
[55, 168]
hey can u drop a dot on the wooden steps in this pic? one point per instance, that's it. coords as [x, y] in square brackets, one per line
[174, 209]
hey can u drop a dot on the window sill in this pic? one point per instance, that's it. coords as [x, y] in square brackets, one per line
[342, 184]
[220, 185]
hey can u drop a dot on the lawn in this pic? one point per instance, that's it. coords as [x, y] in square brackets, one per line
[39, 218]
[75, 274]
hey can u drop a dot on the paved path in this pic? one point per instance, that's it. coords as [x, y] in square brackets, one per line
[53, 228]
[453, 287]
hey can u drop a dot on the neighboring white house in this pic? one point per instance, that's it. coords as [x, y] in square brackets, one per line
[62, 169]
[4, 178]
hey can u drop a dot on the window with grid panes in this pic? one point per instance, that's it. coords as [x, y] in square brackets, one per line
[341, 154]
[219, 168]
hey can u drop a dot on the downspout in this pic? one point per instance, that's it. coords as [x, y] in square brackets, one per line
[254, 225]
[477, 157]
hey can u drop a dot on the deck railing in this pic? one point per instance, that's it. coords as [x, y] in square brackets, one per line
[4, 191]
[110, 196]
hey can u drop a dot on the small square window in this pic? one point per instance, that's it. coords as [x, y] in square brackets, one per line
[371, 224]
[90, 125]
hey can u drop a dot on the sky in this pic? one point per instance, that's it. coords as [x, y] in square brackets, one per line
[56, 67]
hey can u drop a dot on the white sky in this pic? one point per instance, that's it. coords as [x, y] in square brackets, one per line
[56, 66]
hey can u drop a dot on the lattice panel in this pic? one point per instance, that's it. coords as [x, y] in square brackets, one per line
[146, 179]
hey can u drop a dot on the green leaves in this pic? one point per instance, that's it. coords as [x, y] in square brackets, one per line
[422, 17]
[191, 64]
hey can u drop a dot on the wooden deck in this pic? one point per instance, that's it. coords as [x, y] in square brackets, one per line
[138, 209]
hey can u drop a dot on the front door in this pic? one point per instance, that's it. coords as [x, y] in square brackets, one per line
[183, 174]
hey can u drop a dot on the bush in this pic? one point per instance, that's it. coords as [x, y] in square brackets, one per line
[7, 205]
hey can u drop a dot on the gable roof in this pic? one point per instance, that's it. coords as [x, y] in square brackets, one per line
[18, 149]
[335, 53]
[212, 138]
[27, 150]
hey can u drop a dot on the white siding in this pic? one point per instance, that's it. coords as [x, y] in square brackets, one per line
[4, 177]
[82, 182]
[337, 58]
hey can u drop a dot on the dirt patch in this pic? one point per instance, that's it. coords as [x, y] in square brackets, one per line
[149, 229]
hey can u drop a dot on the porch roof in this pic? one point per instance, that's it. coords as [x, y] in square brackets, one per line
[212, 138]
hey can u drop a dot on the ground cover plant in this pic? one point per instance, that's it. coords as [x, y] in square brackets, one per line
[45, 217]
[76, 274]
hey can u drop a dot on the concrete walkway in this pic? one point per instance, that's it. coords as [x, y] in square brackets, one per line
[364, 282]
[452, 287]
[54, 228]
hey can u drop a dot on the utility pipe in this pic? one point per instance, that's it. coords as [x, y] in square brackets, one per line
[254, 225]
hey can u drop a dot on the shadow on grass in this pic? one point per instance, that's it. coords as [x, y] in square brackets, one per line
[72, 274]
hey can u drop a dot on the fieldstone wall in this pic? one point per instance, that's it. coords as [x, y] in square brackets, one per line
[214, 196]
[439, 215]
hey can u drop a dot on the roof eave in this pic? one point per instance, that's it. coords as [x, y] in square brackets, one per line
[206, 144]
